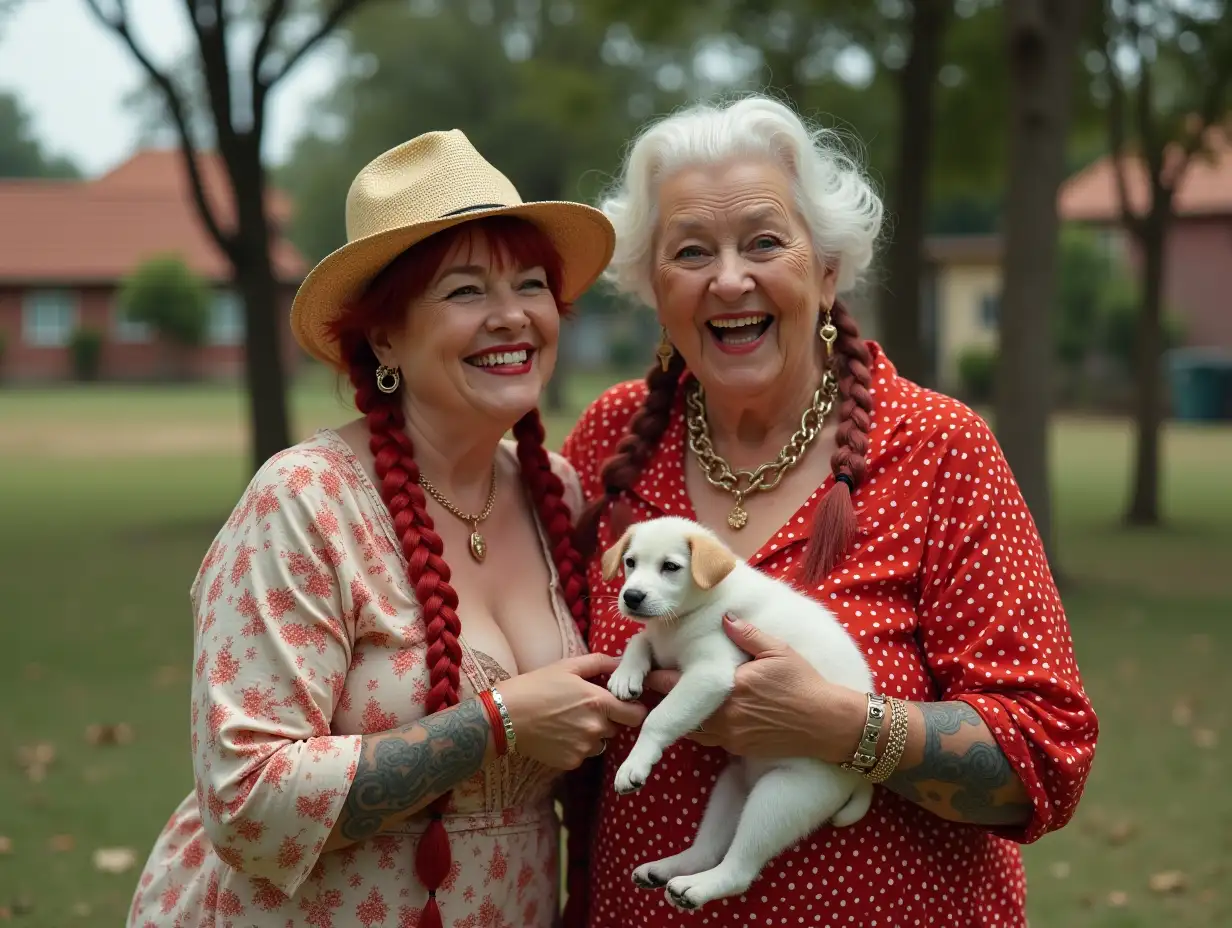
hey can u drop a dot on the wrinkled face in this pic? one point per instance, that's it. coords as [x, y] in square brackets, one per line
[738, 284]
[481, 339]
[658, 583]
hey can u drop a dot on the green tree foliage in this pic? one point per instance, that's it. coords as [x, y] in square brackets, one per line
[549, 96]
[21, 153]
[166, 295]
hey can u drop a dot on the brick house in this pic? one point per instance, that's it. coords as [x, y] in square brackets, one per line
[1198, 258]
[66, 246]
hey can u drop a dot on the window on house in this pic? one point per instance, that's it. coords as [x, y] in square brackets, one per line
[48, 317]
[990, 311]
[226, 319]
[127, 330]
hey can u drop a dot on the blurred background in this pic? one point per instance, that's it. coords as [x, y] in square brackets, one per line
[1058, 253]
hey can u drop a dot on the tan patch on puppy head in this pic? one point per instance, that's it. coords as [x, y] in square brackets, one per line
[709, 561]
[615, 554]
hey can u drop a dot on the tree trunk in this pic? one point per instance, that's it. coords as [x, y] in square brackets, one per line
[1041, 43]
[900, 310]
[264, 322]
[1144, 504]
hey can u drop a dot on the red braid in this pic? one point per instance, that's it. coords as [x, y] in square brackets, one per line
[835, 526]
[581, 795]
[622, 469]
[386, 297]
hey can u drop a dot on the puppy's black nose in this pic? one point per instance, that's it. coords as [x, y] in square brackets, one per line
[634, 598]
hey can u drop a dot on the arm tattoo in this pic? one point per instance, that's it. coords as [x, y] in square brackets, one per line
[966, 778]
[400, 772]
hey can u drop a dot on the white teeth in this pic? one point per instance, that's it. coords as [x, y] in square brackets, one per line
[501, 358]
[737, 323]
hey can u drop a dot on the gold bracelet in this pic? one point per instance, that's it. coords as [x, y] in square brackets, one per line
[895, 744]
[865, 757]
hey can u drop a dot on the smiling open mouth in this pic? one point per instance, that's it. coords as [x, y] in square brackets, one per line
[740, 332]
[503, 361]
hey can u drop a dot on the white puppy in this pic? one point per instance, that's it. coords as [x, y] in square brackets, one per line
[680, 579]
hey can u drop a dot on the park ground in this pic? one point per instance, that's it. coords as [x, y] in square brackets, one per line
[109, 497]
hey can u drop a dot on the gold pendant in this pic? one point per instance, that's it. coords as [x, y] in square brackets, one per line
[479, 547]
[737, 518]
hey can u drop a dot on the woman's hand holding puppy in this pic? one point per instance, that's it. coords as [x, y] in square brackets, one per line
[559, 717]
[779, 707]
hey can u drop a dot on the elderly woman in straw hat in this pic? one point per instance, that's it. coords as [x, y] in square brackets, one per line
[391, 674]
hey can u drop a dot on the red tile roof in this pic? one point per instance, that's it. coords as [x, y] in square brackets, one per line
[1205, 190]
[97, 231]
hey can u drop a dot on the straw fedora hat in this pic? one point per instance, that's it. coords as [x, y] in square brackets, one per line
[418, 188]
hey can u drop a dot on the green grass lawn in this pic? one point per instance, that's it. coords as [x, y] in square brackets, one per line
[109, 497]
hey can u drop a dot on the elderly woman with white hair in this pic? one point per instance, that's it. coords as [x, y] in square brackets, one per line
[768, 418]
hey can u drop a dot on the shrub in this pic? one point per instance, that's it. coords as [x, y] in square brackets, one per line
[165, 294]
[85, 347]
[977, 372]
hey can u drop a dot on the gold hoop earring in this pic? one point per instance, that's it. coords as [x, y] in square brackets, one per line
[828, 334]
[665, 350]
[387, 379]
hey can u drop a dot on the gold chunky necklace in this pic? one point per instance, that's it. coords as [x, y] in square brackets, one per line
[479, 547]
[719, 473]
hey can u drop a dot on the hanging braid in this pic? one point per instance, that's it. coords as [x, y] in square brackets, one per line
[633, 451]
[835, 526]
[581, 787]
[385, 299]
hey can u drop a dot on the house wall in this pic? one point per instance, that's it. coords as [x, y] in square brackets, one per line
[967, 298]
[123, 358]
[1198, 285]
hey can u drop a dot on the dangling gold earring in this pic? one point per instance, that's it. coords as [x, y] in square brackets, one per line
[388, 379]
[665, 350]
[828, 334]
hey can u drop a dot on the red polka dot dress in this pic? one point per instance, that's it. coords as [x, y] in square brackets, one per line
[950, 595]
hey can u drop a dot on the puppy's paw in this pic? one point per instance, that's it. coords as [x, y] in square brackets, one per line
[695, 890]
[631, 776]
[626, 682]
[645, 877]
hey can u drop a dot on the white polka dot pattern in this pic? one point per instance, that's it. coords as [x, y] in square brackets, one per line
[950, 594]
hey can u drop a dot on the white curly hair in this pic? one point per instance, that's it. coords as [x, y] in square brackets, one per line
[832, 191]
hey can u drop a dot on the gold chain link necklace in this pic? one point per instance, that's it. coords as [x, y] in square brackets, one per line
[479, 547]
[766, 477]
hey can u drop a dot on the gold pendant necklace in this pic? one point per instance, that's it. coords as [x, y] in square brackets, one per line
[719, 473]
[479, 547]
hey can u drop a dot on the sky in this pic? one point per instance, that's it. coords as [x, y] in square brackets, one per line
[72, 75]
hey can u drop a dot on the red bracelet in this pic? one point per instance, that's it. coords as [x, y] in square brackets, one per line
[494, 720]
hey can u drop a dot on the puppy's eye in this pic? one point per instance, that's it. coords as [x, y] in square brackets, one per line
[629, 563]
[670, 567]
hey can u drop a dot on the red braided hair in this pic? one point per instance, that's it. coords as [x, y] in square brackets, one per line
[834, 526]
[383, 303]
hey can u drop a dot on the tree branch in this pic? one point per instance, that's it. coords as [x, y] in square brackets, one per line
[329, 22]
[1213, 103]
[262, 85]
[1116, 138]
[216, 68]
[120, 26]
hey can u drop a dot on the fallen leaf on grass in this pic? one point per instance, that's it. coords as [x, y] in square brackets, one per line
[35, 759]
[1182, 713]
[114, 859]
[82, 910]
[1060, 869]
[6, 914]
[62, 844]
[168, 675]
[1200, 642]
[1121, 831]
[6, 845]
[1118, 899]
[1205, 737]
[1168, 881]
[121, 733]
[34, 671]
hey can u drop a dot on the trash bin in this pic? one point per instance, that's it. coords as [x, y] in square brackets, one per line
[1201, 385]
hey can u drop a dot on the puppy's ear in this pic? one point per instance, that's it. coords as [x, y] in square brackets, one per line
[709, 561]
[615, 554]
